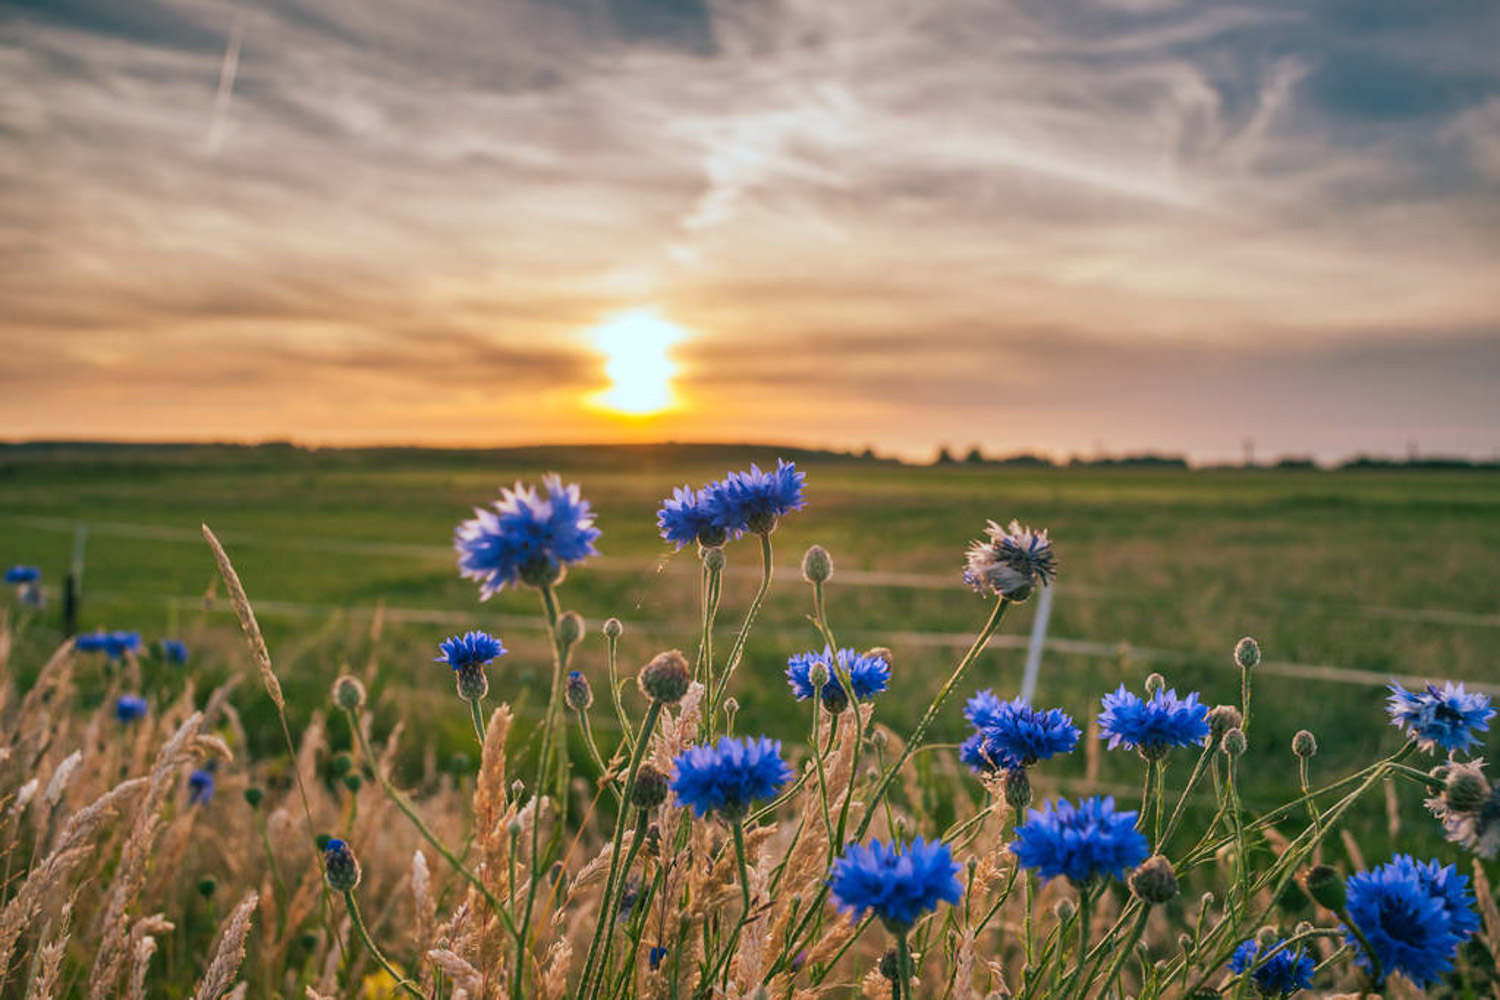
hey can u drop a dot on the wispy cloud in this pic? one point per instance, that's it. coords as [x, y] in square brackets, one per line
[416, 205]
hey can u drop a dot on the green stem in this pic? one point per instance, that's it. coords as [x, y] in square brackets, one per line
[737, 650]
[477, 716]
[613, 644]
[903, 965]
[364, 935]
[593, 748]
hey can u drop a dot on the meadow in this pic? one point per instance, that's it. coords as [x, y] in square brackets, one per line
[1346, 578]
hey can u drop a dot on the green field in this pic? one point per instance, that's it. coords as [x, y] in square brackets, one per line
[1370, 572]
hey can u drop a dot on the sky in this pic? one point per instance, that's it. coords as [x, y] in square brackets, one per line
[1043, 226]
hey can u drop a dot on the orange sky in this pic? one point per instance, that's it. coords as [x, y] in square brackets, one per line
[1027, 226]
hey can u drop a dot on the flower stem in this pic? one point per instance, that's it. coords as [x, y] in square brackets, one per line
[593, 748]
[737, 650]
[364, 935]
[478, 718]
[903, 966]
[612, 642]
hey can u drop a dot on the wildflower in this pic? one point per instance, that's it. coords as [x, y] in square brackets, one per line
[528, 537]
[687, 518]
[1414, 915]
[340, 867]
[897, 884]
[468, 655]
[727, 777]
[1083, 842]
[91, 642]
[578, 693]
[1153, 726]
[112, 644]
[1440, 718]
[174, 651]
[129, 707]
[754, 500]
[868, 676]
[22, 574]
[200, 786]
[1012, 734]
[1283, 974]
[665, 678]
[1010, 562]
[655, 957]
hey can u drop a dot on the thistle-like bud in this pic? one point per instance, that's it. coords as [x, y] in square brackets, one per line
[1184, 942]
[578, 693]
[513, 829]
[714, 559]
[1017, 788]
[1223, 718]
[340, 868]
[1304, 744]
[1247, 652]
[731, 709]
[207, 886]
[1154, 881]
[1064, 909]
[817, 675]
[349, 693]
[354, 781]
[340, 764]
[1154, 683]
[665, 679]
[1324, 885]
[254, 795]
[1466, 789]
[1302, 928]
[817, 565]
[613, 628]
[650, 789]
[517, 788]
[890, 965]
[1205, 902]
[570, 628]
[473, 685]
[1235, 742]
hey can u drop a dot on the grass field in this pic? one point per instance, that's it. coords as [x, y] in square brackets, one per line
[1372, 572]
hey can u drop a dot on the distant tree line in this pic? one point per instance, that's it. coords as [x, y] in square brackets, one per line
[1156, 460]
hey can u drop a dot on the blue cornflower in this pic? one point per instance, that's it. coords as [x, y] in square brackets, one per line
[1012, 734]
[528, 537]
[868, 676]
[655, 956]
[1283, 974]
[22, 574]
[129, 707]
[753, 500]
[89, 642]
[1083, 842]
[1414, 914]
[472, 649]
[1153, 727]
[1010, 562]
[727, 777]
[200, 786]
[687, 518]
[898, 884]
[174, 651]
[1440, 718]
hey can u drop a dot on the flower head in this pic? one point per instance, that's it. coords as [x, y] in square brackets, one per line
[200, 786]
[174, 651]
[1010, 562]
[727, 777]
[528, 537]
[868, 676]
[1012, 734]
[898, 884]
[113, 644]
[687, 517]
[1414, 915]
[1082, 842]
[655, 957]
[129, 707]
[22, 574]
[1476, 830]
[472, 649]
[1283, 974]
[754, 500]
[340, 867]
[1443, 717]
[1152, 726]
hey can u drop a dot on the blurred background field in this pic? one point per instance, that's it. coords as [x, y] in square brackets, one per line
[1345, 577]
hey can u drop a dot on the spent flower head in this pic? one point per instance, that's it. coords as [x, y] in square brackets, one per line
[1010, 562]
[1152, 726]
[526, 537]
[1083, 842]
[1469, 809]
[729, 776]
[897, 883]
[1445, 717]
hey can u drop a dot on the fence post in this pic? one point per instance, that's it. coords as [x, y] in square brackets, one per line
[1038, 640]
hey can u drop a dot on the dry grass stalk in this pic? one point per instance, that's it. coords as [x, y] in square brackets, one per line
[229, 952]
[50, 957]
[241, 604]
[456, 968]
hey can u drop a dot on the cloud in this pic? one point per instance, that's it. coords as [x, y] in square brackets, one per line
[423, 199]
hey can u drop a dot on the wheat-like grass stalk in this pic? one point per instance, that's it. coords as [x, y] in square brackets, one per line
[229, 953]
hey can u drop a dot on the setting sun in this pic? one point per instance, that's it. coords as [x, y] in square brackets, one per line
[635, 346]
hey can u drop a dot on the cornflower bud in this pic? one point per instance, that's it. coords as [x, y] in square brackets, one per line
[1247, 653]
[714, 559]
[650, 788]
[613, 628]
[1017, 788]
[1223, 718]
[1324, 885]
[570, 628]
[1466, 789]
[254, 795]
[1304, 744]
[1155, 682]
[1235, 743]
[578, 693]
[348, 693]
[817, 565]
[665, 679]
[340, 868]
[1154, 881]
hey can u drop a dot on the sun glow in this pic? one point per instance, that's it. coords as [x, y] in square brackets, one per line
[636, 349]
